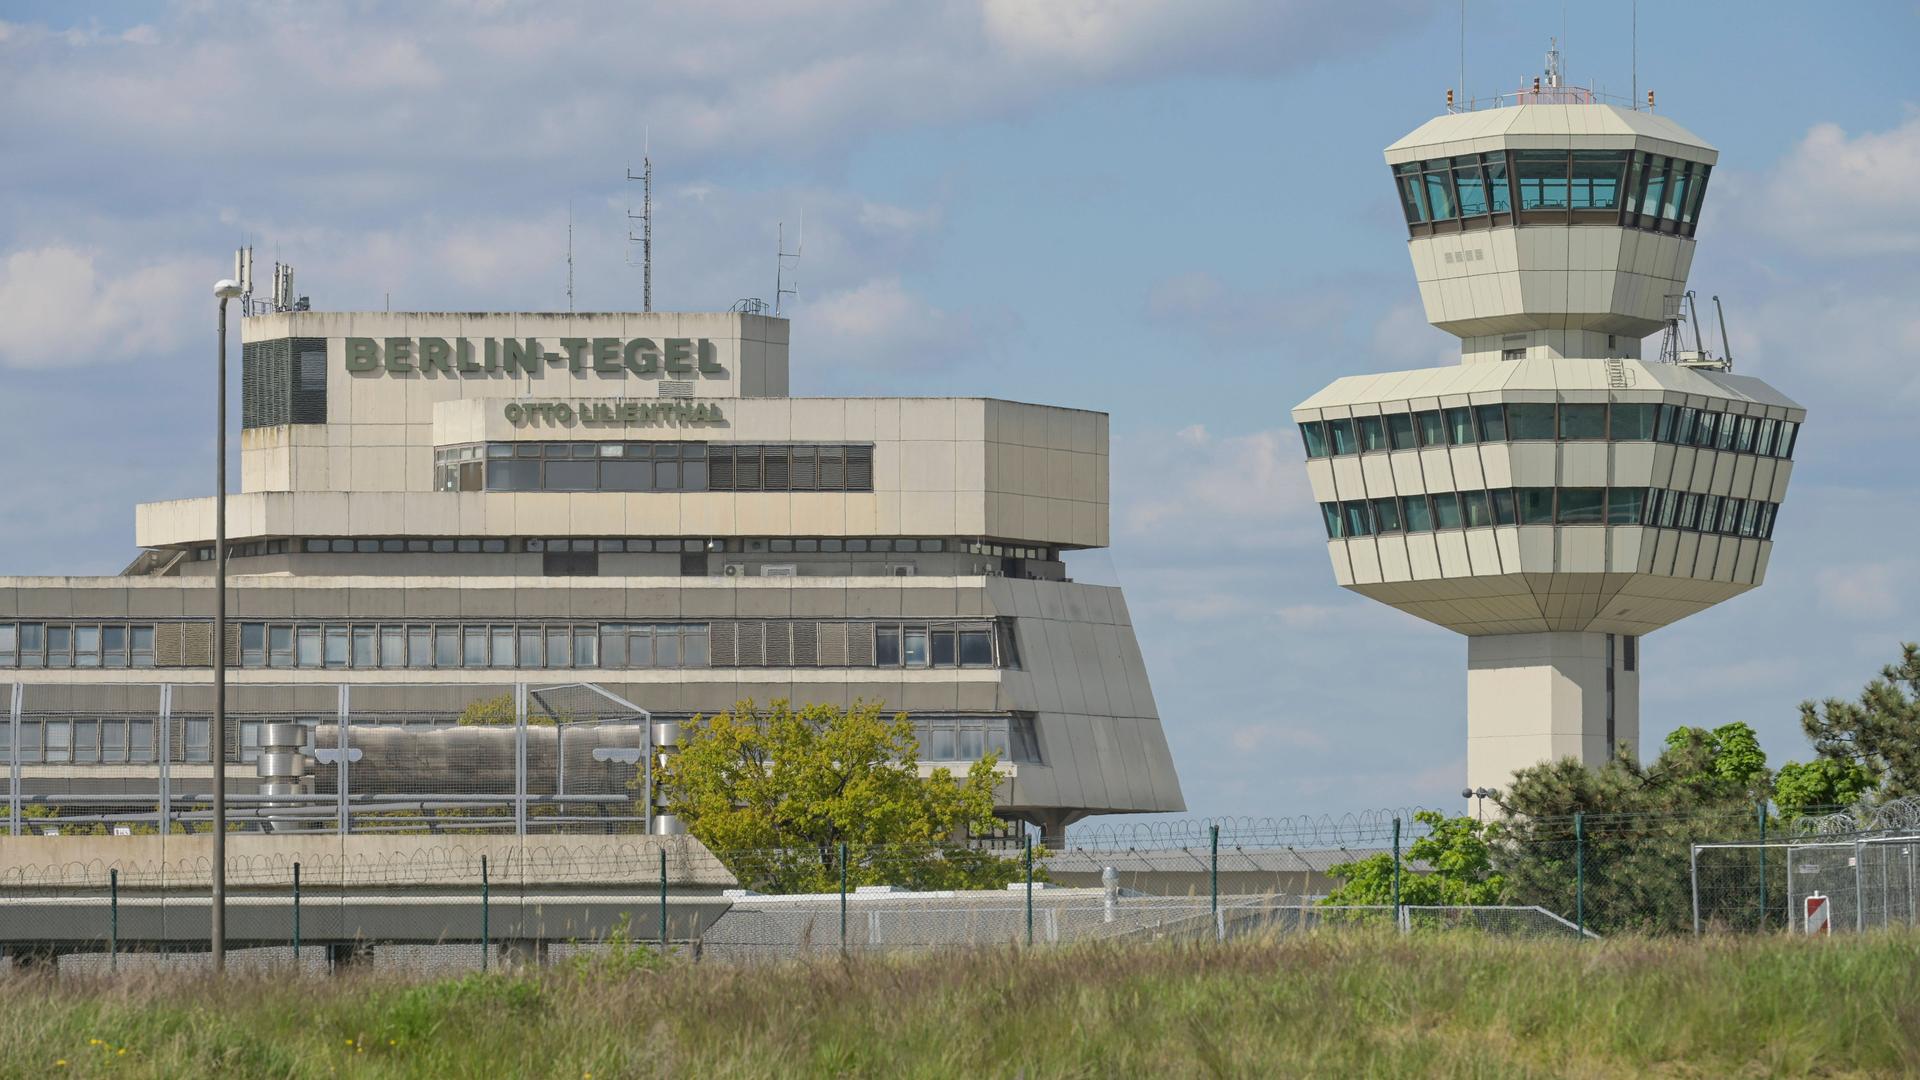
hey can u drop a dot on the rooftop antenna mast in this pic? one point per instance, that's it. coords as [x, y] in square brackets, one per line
[569, 256]
[645, 218]
[782, 265]
[1635, 100]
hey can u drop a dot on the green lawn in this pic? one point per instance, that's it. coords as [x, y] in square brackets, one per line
[1343, 1005]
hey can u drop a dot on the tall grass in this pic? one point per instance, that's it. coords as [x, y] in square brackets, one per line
[1439, 1005]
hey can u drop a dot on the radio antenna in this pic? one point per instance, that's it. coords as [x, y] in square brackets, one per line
[782, 265]
[645, 218]
[569, 256]
[1635, 100]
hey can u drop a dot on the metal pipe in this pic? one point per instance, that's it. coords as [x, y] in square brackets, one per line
[1762, 809]
[296, 915]
[1693, 874]
[486, 935]
[1396, 870]
[663, 899]
[843, 899]
[225, 290]
[1029, 848]
[113, 927]
[1580, 874]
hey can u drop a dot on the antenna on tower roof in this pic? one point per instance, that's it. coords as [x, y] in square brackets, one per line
[645, 218]
[1636, 54]
[569, 256]
[782, 266]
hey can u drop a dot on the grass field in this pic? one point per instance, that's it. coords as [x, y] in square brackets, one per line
[1336, 1005]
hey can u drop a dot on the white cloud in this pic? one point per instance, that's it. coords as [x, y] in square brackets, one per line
[1838, 194]
[1242, 491]
[1865, 590]
[881, 323]
[1225, 314]
[62, 306]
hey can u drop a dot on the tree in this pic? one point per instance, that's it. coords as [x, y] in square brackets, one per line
[1823, 782]
[1879, 734]
[775, 791]
[499, 712]
[1631, 860]
[1459, 868]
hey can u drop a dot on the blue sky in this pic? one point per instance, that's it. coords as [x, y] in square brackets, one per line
[1173, 212]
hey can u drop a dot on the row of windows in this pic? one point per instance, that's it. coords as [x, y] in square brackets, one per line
[85, 645]
[616, 646]
[1582, 187]
[1657, 507]
[654, 466]
[131, 740]
[1620, 421]
[605, 545]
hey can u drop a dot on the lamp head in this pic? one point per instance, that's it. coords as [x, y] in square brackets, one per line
[226, 288]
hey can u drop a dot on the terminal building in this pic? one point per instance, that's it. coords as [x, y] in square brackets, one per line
[436, 505]
[1555, 497]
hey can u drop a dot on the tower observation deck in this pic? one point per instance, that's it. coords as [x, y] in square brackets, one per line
[1553, 497]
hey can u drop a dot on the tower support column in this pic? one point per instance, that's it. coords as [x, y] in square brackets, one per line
[1541, 697]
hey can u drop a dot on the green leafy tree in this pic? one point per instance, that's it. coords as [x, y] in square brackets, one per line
[1802, 787]
[499, 712]
[1639, 824]
[1458, 868]
[775, 791]
[1880, 733]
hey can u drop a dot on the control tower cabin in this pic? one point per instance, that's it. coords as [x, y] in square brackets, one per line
[1554, 497]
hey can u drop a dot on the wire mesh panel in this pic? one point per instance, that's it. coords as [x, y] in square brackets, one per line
[587, 758]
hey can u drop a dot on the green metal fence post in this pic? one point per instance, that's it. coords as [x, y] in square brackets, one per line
[663, 899]
[843, 899]
[1213, 877]
[1396, 872]
[486, 936]
[113, 928]
[1580, 874]
[296, 915]
[1761, 808]
[1029, 840]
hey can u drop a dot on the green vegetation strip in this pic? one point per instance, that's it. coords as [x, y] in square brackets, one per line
[1349, 1004]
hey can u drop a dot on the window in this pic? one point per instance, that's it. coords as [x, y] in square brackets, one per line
[1530, 420]
[1412, 203]
[1789, 434]
[366, 647]
[1582, 506]
[976, 648]
[1763, 441]
[1536, 505]
[1630, 654]
[9, 641]
[1542, 176]
[1432, 428]
[1503, 508]
[1730, 510]
[1314, 435]
[1459, 426]
[1446, 510]
[1743, 442]
[1340, 434]
[1703, 429]
[141, 646]
[1475, 509]
[140, 742]
[1663, 427]
[1583, 421]
[913, 647]
[1625, 505]
[198, 742]
[307, 647]
[33, 645]
[280, 646]
[1509, 356]
[1709, 513]
[1633, 421]
[1596, 181]
[886, 646]
[1493, 423]
[1331, 513]
[338, 646]
[1400, 431]
[446, 647]
[1386, 515]
[943, 648]
[1750, 518]
[1470, 185]
[113, 646]
[1440, 204]
[59, 646]
[1683, 425]
[253, 645]
[1417, 513]
[1724, 440]
[1359, 522]
[393, 647]
[1373, 434]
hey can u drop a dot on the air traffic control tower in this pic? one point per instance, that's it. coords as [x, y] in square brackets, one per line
[1554, 497]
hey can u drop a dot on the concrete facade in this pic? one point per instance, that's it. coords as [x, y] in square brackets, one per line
[438, 493]
[1554, 497]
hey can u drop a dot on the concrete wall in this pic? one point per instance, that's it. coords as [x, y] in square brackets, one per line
[1542, 697]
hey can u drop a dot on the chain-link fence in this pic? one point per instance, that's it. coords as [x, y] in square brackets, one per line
[1866, 882]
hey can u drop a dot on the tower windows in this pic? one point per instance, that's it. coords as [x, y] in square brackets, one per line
[1552, 187]
[1620, 421]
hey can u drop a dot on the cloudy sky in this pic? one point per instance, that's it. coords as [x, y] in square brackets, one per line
[1176, 213]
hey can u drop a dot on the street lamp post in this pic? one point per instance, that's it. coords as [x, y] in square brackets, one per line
[225, 290]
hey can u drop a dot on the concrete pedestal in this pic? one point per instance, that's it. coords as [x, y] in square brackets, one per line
[1540, 697]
